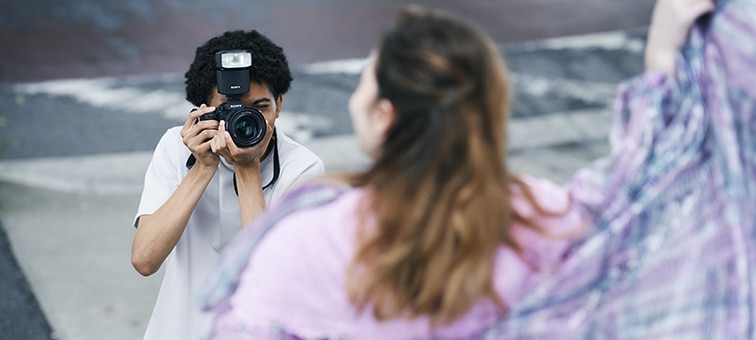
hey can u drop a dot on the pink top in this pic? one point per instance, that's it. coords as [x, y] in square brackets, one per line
[295, 279]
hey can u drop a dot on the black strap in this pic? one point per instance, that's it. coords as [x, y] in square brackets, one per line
[276, 164]
[190, 161]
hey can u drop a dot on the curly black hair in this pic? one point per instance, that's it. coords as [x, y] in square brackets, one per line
[269, 64]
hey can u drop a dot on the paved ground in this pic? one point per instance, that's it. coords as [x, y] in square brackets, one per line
[74, 151]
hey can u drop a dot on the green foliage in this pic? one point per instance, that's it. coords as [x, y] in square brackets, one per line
[20, 99]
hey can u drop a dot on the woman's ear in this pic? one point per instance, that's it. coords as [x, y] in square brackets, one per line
[383, 117]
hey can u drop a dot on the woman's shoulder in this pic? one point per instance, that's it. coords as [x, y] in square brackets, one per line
[295, 275]
[547, 219]
[530, 192]
[313, 222]
[548, 205]
[319, 214]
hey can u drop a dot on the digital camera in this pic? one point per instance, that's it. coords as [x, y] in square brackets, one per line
[246, 125]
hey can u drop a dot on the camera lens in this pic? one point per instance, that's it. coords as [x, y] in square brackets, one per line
[247, 127]
[244, 127]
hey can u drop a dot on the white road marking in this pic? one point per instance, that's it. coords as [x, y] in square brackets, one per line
[343, 66]
[110, 93]
[615, 40]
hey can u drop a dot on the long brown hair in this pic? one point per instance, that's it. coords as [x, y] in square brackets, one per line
[439, 191]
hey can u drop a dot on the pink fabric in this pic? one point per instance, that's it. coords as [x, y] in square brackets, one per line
[295, 279]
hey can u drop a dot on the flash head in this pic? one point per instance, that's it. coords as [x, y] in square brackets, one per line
[233, 59]
[246, 125]
[232, 71]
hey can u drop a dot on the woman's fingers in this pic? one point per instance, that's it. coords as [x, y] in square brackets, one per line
[699, 8]
[670, 24]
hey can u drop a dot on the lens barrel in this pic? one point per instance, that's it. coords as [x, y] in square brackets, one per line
[247, 126]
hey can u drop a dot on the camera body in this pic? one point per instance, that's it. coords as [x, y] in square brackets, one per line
[246, 125]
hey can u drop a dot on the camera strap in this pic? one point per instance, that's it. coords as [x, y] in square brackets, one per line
[276, 164]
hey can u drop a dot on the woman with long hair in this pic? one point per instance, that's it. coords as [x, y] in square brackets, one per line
[437, 239]
[437, 230]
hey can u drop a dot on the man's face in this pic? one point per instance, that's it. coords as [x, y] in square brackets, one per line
[258, 97]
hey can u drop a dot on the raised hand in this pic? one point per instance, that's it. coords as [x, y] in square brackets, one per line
[670, 24]
[197, 136]
[223, 145]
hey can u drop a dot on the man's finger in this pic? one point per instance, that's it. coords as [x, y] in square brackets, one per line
[202, 110]
[230, 142]
[222, 126]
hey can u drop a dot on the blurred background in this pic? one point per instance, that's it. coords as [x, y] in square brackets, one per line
[49, 39]
[87, 88]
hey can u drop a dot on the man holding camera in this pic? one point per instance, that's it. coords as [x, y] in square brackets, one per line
[212, 176]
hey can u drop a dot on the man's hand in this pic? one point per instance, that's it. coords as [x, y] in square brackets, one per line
[198, 135]
[246, 162]
[223, 145]
[670, 24]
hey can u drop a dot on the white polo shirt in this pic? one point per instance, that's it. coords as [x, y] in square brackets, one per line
[215, 220]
